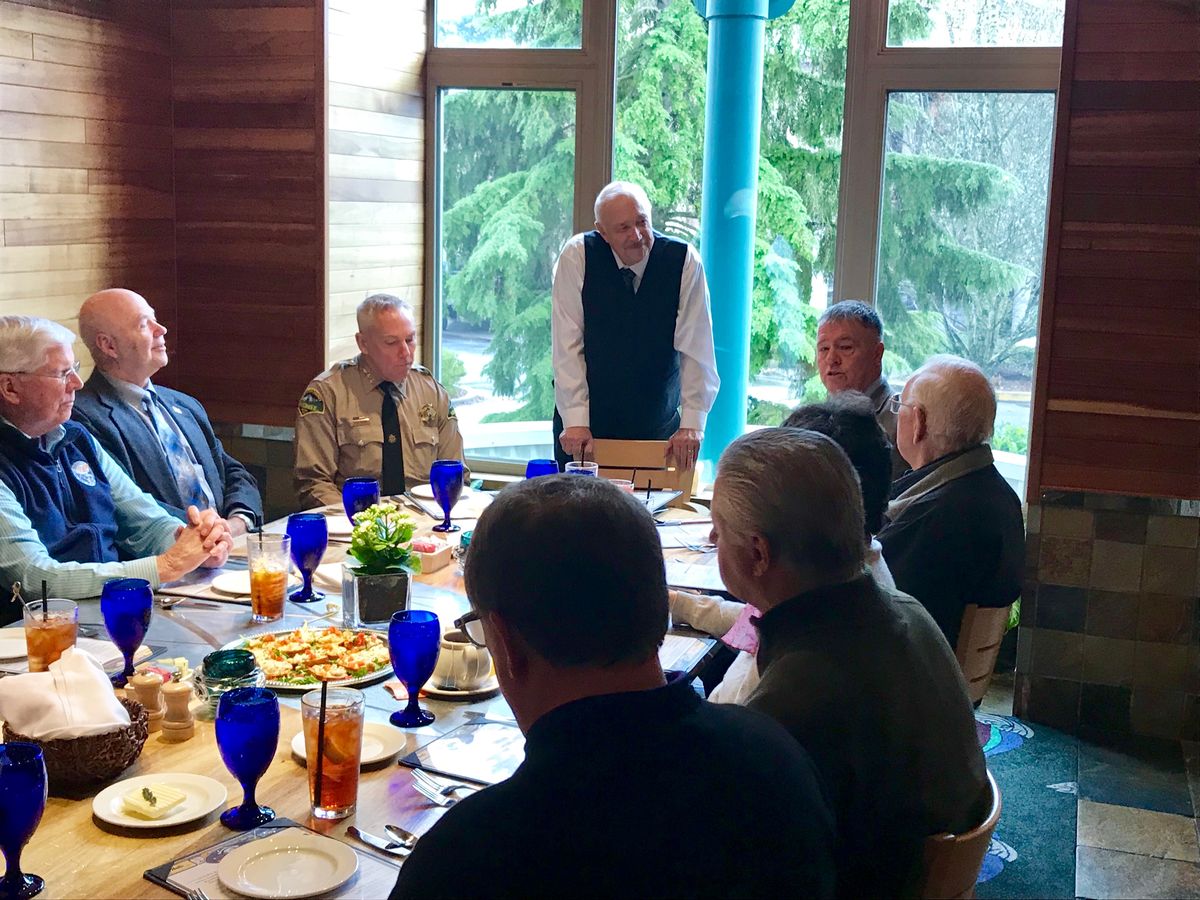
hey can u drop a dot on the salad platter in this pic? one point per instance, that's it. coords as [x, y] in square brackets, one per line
[301, 658]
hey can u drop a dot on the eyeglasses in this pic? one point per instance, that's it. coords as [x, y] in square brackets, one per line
[472, 626]
[895, 403]
[64, 376]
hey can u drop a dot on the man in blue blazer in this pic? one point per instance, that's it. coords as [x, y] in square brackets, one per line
[161, 437]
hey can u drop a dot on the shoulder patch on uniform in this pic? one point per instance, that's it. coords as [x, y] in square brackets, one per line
[83, 473]
[450, 413]
[311, 402]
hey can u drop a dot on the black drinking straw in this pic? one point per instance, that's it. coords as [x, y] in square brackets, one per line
[321, 742]
[45, 603]
[649, 487]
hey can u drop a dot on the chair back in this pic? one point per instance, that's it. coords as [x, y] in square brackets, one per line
[643, 463]
[952, 861]
[979, 639]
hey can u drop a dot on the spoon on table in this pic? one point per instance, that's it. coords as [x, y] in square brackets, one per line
[398, 834]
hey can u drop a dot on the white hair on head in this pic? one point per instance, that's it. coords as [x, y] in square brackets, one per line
[25, 341]
[621, 189]
[959, 402]
[375, 304]
[798, 490]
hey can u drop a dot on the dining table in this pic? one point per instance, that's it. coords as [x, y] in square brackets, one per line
[81, 855]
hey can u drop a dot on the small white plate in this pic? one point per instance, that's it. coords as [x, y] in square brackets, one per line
[380, 742]
[488, 687]
[237, 584]
[293, 863]
[338, 526]
[203, 796]
[12, 643]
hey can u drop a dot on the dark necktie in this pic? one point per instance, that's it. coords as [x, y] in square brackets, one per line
[392, 476]
[628, 275]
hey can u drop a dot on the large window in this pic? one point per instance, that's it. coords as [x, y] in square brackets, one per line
[934, 209]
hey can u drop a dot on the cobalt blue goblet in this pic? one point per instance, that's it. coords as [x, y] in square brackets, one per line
[247, 735]
[414, 639]
[126, 604]
[536, 467]
[310, 537]
[446, 479]
[358, 493]
[22, 801]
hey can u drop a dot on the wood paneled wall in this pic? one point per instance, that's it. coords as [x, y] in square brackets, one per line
[249, 186]
[85, 156]
[1117, 405]
[376, 159]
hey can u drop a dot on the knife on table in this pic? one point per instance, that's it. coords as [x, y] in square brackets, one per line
[393, 847]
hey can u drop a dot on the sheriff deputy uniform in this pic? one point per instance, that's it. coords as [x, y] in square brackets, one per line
[340, 429]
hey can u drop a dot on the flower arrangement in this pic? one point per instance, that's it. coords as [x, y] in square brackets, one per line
[381, 541]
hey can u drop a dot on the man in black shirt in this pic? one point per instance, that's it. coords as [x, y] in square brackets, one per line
[631, 786]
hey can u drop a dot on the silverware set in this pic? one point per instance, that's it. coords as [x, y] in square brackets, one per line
[398, 842]
[438, 792]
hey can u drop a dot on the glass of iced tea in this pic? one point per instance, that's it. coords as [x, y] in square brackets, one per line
[269, 556]
[49, 630]
[338, 758]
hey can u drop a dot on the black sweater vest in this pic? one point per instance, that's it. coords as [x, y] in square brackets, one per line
[64, 494]
[629, 341]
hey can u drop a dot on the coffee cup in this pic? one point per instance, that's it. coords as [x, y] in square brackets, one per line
[461, 666]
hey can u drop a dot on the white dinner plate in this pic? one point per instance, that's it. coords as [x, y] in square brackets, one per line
[380, 742]
[203, 796]
[425, 492]
[338, 526]
[237, 584]
[12, 643]
[293, 863]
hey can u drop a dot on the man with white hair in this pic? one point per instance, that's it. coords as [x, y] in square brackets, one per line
[954, 534]
[858, 673]
[632, 334]
[69, 515]
[376, 415]
[161, 437]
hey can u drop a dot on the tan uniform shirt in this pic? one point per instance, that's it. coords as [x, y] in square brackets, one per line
[339, 429]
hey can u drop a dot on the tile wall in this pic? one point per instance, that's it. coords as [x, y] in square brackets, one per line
[1109, 642]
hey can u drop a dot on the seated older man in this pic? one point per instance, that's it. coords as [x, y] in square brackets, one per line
[621, 769]
[954, 534]
[69, 515]
[860, 675]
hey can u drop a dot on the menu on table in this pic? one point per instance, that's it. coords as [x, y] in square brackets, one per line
[484, 751]
[696, 576]
[198, 870]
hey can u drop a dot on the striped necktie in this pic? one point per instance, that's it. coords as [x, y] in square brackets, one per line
[180, 459]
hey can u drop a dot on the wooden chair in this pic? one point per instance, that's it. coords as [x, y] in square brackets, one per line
[952, 861]
[642, 463]
[979, 639]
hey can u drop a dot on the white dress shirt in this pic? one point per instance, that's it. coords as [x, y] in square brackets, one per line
[693, 338]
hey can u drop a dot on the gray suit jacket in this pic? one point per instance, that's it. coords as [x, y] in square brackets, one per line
[129, 439]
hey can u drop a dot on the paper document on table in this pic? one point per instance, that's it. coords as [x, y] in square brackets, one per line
[197, 871]
[685, 536]
[486, 752]
[701, 576]
[682, 653]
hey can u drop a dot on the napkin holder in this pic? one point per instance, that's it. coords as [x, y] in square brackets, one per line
[75, 763]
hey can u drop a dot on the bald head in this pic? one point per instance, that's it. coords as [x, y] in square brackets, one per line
[122, 334]
[951, 406]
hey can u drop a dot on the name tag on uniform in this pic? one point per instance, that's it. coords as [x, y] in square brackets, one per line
[360, 420]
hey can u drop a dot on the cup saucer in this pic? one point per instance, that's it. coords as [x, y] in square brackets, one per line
[489, 686]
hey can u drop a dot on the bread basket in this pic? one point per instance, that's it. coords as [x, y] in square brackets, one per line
[75, 763]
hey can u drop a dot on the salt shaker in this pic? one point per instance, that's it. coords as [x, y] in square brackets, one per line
[178, 724]
[149, 693]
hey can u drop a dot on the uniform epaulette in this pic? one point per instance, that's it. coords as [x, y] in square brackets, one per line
[422, 370]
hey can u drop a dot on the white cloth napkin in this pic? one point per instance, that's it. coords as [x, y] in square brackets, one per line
[328, 576]
[74, 699]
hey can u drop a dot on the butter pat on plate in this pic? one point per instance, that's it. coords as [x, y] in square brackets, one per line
[153, 801]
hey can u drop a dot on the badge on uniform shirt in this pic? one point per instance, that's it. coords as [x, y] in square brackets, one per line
[311, 402]
[83, 473]
[428, 414]
[450, 413]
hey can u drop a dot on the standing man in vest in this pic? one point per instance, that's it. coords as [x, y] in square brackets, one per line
[632, 334]
[161, 437]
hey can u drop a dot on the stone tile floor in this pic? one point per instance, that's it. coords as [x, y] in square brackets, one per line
[1137, 834]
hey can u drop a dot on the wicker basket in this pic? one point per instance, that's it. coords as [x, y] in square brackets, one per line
[82, 762]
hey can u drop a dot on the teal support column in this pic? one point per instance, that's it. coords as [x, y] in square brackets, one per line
[729, 208]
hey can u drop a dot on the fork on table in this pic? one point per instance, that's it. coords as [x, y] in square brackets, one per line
[197, 894]
[432, 795]
[446, 789]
